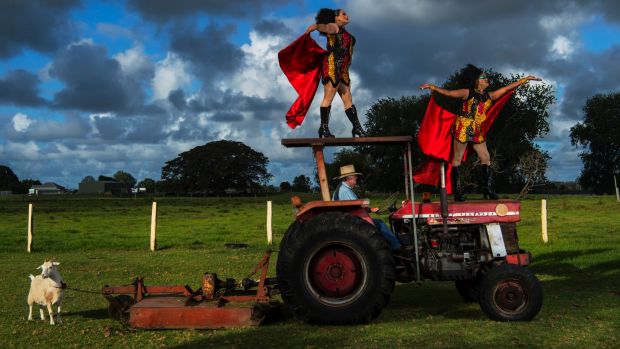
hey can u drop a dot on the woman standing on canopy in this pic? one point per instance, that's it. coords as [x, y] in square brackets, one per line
[468, 125]
[335, 67]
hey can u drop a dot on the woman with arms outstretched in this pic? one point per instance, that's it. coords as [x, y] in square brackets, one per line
[467, 127]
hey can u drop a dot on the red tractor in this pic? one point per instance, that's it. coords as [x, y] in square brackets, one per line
[334, 267]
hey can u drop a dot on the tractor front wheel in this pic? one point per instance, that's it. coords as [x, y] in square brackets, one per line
[510, 293]
[335, 269]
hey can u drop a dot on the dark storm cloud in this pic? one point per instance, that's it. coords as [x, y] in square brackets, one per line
[262, 109]
[72, 127]
[166, 10]
[209, 50]
[94, 82]
[177, 99]
[271, 27]
[39, 25]
[19, 87]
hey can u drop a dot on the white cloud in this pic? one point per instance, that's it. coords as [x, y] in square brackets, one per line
[21, 122]
[170, 74]
[133, 61]
[562, 47]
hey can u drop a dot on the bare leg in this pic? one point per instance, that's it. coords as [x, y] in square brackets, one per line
[30, 312]
[329, 91]
[42, 313]
[483, 153]
[345, 94]
[459, 150]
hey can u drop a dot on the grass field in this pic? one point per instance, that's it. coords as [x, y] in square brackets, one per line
[105, 241]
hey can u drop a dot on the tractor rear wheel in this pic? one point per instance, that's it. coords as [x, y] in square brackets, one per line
[335, 269]
[510, 293]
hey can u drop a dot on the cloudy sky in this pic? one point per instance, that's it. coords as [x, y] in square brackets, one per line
[91, 87]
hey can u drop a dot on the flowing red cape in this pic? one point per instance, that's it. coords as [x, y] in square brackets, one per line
[301, 63]
[435, 140]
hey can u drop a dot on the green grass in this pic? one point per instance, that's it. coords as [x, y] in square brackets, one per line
[105, 241]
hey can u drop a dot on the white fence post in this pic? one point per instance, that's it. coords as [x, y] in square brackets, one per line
[617, 190]
[154, 226]
[269, 231]
[543, 219]
[30, 228]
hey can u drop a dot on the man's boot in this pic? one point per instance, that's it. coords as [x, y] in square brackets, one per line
[457, 191]
[357, 128]
[324, 129]
[487, 190]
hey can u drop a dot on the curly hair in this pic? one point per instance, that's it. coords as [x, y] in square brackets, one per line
[469, 75]
[326, 15]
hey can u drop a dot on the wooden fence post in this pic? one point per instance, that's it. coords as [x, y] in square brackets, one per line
[543, 219]
[617, 191]
[269, 231]
[30, 228]
[154, 226]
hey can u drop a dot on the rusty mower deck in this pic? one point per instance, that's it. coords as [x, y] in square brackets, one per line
[216, 304]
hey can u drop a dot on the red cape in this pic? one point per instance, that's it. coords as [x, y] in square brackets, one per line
[301, 63]
[435, 140]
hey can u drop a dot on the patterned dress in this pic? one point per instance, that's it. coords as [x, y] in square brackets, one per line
[468, 124]
[338, 59]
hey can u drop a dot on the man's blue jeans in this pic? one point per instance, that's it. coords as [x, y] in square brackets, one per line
[387, 233]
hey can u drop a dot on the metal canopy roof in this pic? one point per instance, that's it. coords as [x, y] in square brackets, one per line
[309, 142]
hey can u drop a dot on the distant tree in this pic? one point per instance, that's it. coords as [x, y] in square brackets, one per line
[124, 177]
[302, 184]
[217, 166]
[106, 179]
[523, 119]
[599, 135]
[532, 167]
[149, 184]
[88, 179]
[26, 184]
[285, 187]
[8, 179]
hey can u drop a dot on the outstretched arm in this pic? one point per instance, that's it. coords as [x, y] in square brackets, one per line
[461, 93]
[502, 91]
[330, 28]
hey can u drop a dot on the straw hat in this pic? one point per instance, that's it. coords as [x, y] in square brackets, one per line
[347, 170]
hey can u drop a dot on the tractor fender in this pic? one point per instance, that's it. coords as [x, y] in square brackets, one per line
[357, 208]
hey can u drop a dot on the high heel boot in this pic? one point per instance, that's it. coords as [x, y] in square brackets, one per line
[487, 190]
[324, 128]
[357, 128]
[457, 191]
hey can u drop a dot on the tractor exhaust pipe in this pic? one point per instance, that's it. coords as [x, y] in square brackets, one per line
[444, 200]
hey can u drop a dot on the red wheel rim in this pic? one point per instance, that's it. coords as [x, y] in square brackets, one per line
[510, 296]
[335, 272]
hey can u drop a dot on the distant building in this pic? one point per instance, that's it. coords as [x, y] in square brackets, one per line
[47, 188]
[103, 187]
[5, 192]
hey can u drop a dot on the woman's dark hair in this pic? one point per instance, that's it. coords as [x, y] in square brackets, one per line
[326, 15]
[469, 75]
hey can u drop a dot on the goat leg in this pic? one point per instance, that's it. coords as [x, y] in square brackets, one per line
[51, 312]
[42, 313]
[30, 312]
[58, 315]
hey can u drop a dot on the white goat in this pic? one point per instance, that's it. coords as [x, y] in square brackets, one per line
[46, 290]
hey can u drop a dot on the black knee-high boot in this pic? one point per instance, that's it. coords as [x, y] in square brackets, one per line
[324, 129]
[487, 190]
[357, 128]
[457, 191]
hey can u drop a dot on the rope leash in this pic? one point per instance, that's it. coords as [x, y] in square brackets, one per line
[66, 287]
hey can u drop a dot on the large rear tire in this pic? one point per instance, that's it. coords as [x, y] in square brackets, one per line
[510, 293]
[335, 269]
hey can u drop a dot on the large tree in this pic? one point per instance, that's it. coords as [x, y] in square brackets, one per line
[301, 184]
[124, 177]
[217, 166]
[523, 119]
[8, 179]
[599, 135]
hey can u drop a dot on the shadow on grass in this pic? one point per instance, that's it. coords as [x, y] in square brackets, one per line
[90, 313]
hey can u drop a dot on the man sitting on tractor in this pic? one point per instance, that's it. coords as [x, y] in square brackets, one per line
[344, 191]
